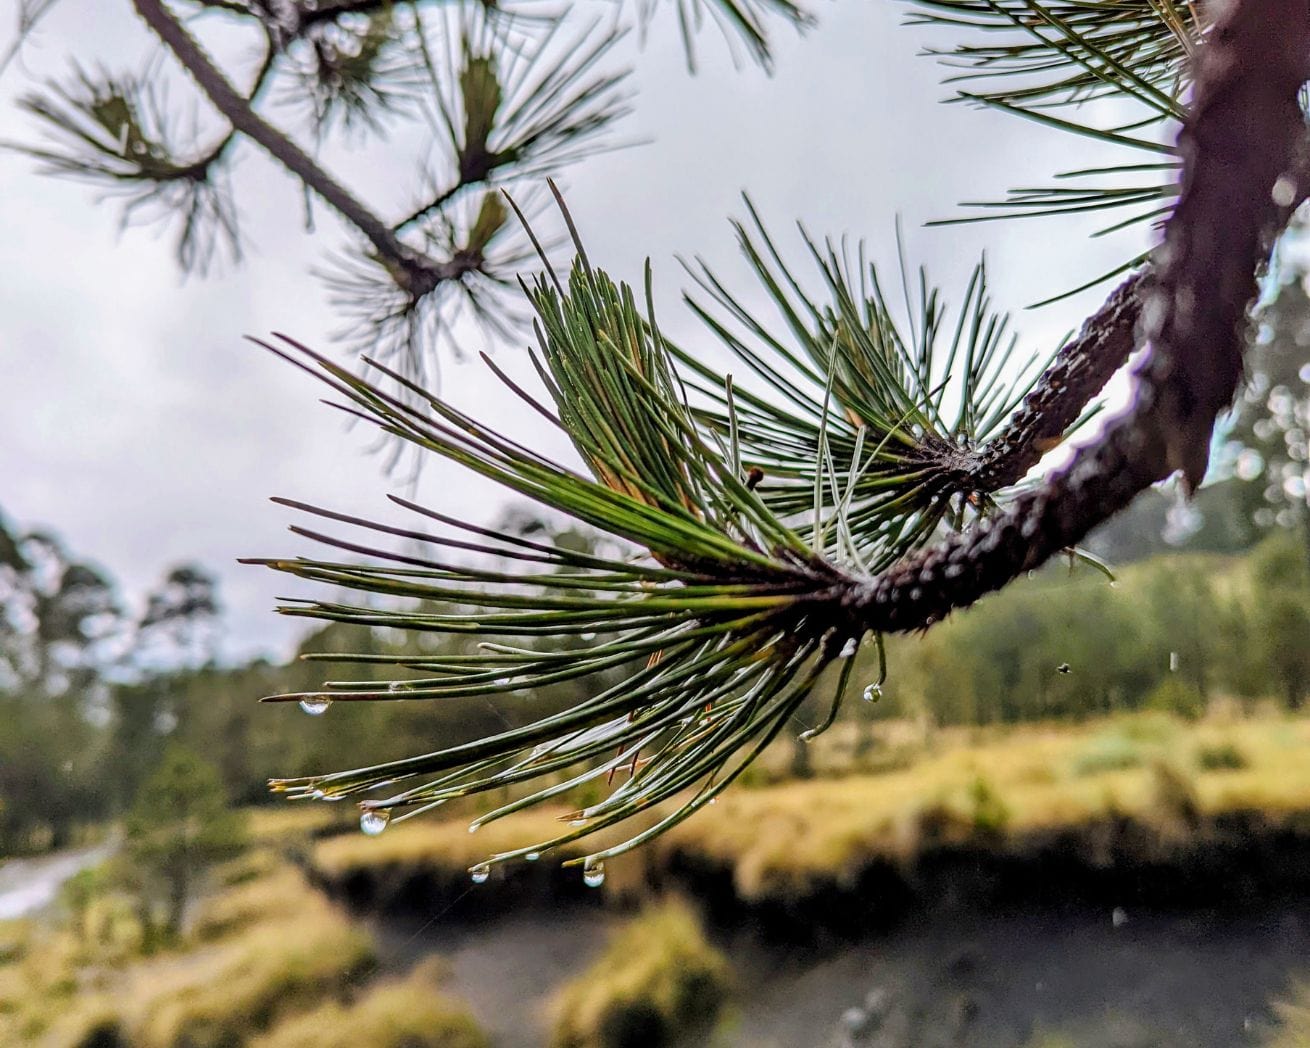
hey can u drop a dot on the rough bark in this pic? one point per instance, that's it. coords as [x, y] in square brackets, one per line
[1243, 158]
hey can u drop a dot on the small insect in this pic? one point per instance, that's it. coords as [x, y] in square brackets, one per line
[753, 477]
[1063, 668]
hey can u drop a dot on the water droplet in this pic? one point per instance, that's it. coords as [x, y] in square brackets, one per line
[532, 856]
[480, 873]
[1173, 662]
[1284, 191]
[1118, 917]
[589, 635]
[848, 649]
[395, 685]
[873, 692]
[593, 874]
[374, 822]
[855, 1021]
[316, 705]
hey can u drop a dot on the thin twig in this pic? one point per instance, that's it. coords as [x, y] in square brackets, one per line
[419, 273]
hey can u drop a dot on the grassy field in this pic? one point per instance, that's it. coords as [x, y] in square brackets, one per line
[997, 788]
[269, 962]
[267, 956]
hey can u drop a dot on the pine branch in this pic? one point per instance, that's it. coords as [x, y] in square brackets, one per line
[737, 610]
[1044, 59]
[1074, 378]
[898, 383]
[1244, 164]
[419, 273]
[528, 112]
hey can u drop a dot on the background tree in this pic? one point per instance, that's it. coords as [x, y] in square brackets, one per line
[1267, 446]
[179, 826]
[1282, 615]
[59, 617]
[181, 613]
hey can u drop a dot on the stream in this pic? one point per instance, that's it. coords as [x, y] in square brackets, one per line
[1097, 980]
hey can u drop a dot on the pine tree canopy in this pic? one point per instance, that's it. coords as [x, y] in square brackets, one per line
[864, 469]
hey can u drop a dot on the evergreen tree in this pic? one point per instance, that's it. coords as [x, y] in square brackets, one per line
[1282, 616]
[179, 827]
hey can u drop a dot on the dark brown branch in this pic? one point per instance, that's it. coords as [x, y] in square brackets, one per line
[417, 273]
[1074, 378]
[1243, 153]
[438, 201]
[199, 168]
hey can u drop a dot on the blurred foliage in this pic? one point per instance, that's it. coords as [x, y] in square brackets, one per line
[1174, 632]
[178, 827]
[401, 1013]
[265, 949]
[658, 983]
[1267, 448]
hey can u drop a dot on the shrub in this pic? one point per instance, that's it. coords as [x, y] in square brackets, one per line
[990, 814]
[1176, 696]
[1221, 756]
[405, 1013]
[1112, 751]
[657, 981]
[1174, 794]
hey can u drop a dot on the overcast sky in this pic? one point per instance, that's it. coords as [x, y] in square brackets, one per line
[138, 424]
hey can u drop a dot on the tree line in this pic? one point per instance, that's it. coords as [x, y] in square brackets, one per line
[93, 695]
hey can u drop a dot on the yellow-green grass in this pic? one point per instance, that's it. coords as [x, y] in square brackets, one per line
[399, 1013]
[277, 892]
[1025, 781]
[288, 824]
[271, 945]
[995, 785]
[657, 981]
[278, 966]
[1293, 1012]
